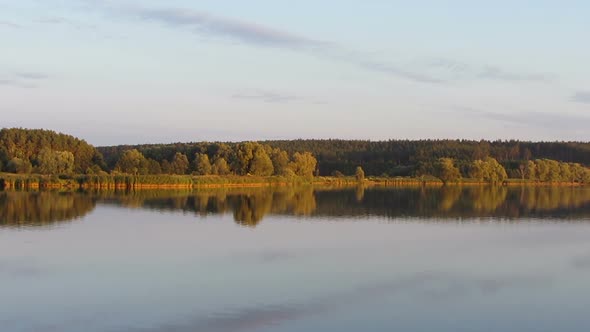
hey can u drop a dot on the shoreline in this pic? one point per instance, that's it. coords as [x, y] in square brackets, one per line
[10, 181]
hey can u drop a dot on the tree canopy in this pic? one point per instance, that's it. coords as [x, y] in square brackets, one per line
[44, 151]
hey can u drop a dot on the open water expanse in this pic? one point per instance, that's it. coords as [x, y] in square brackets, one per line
[297, 259]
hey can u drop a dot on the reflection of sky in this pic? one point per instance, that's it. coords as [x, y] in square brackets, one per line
[135, 270]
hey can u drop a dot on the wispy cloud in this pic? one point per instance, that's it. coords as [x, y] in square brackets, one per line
[16, 83]
[22, 79]
[531, 118]
[65, 21]
[461, 70]
[273, 97]
[7, 24]
[244, 31]
[389, 69]
[496, 73]
[581, 97]
[32, 75]
[438, 71]
[259, 35]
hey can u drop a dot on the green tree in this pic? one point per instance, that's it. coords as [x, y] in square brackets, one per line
[202, 164]
[132, 162]
[446, 170]
[19, 166]
[26, 144]
[359, 174]
[153, 167]
[531, 170]
[261, 164]
[565, 172]
[303, 164]
[179, 164]
[280, 161]
[244, 156]
[55, 162]
[165, 166]
[488, 170]
[220, 167]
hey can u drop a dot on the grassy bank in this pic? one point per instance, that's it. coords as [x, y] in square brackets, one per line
[139, 182]
[131, 182]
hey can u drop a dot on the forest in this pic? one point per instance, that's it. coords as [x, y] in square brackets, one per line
[37, 151]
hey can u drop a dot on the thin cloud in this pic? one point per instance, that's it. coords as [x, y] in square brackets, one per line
[461, 70]
[581, 97]
[53, 20]
[64, 21]
[260, 36]
[496, 73]
[7, 24]
[530, 119]
[247, 32]
[272, 97]
[16, 83]
[32, 76]
[23, 79]
[394, 71]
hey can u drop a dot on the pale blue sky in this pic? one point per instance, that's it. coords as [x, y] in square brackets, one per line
[162, 71]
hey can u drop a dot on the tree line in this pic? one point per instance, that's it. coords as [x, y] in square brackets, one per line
[491, 171]
[26, 150]
[248, 158]
[47, 152]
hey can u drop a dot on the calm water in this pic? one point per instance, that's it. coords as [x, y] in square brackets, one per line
[450, 259]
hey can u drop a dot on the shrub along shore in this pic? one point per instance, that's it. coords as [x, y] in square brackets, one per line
[141, 182]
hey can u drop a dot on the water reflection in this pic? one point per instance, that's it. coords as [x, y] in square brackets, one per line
[42, 208]
[250, 206]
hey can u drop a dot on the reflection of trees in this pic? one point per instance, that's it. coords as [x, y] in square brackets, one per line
[359, 192]
[551, 198]
[449, 196]
[250, 209]
[488, 198]
[458, 202]
[249, 206]
[303, 202]
[42, 208]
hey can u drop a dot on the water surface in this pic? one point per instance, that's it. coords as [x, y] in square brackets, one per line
[304, 259]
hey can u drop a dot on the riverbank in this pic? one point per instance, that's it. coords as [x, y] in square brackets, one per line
[152, 182]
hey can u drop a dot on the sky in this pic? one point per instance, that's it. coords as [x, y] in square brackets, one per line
[129, 71]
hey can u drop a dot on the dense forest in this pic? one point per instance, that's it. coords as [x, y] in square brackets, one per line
[25, 151]
[472, 159]
[45, 151]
